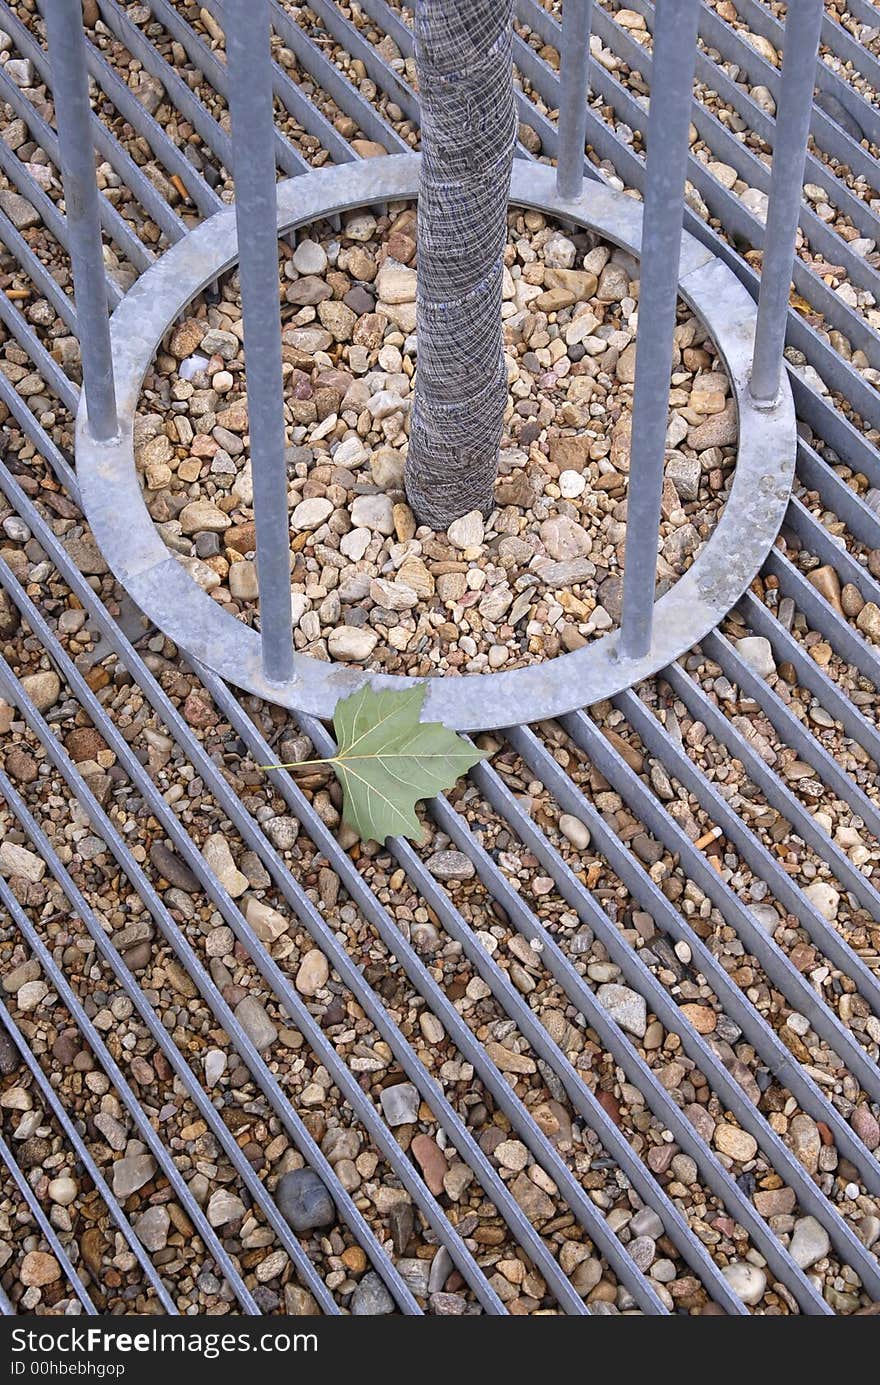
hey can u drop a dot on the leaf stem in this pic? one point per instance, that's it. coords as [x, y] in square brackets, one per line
[301, 764]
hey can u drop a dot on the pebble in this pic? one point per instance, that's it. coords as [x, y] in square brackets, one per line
[256, 1023]
[351, 643]
[755, 651]
[400, 1104]
[224, 1207]
[451, 865]
[371, 1299]
[173, 869]
[39, 1269]
[310, 514]
[63, 1191]
[31, 995]
[805, 1141]
[219, 858]
[866, 1126]
[627, 1008]
[748, 1282]
[824, 898]
[374, 512]
[575, 831]
[809, 1242]
[131, 1173]
[18, 861]
[309, 258]
[313, 972]
[43, 689]
[467, 532]
[215, 1066]
[303, 1200]
[646, 1222]
[152, 1228]
[735, 1143]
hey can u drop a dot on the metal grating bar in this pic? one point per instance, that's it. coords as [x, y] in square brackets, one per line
[652, 899]
[97, 1045]
[82, 1153]
[832, 429]
[33, 1204]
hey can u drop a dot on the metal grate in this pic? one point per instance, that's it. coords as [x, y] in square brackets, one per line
[695, 833]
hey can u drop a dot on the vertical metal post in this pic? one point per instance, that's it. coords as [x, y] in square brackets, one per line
[803, 24]
[672, 75]
[70, 91]
[253, 143]
[574, 90]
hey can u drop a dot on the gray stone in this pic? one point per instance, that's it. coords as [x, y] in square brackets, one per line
[643, 1250]
[564, 539]
[627, 1008]
[309, 258]
[809, 1242]
[256, 1023]
[152, 1228]
[303, 1200]
[684, 473]
[371, 1299]
[646, 1223]
[225, 1207]
[400, 1104]
[451, 865]
[20, 212]
[373, 512]
[131, 1173]
[415, 1274]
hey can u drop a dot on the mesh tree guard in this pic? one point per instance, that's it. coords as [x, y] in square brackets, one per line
[463, 53]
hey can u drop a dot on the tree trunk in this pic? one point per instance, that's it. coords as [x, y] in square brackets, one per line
[463, 55]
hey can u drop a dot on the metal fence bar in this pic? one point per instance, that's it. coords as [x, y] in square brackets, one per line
[73, 116]
[674, 56]
[253, 131]
[736, 221]
[786, 190]
[574, 94]
[128, 105]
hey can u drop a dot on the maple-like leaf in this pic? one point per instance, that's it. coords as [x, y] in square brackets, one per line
[387, 760]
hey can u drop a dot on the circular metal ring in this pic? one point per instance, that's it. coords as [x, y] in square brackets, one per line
[165, 592]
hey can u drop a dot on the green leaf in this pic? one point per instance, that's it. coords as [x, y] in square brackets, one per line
[387, 760]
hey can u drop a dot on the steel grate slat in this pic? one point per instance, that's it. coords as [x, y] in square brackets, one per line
[85, 1158]
[655, 903]
[33, 1204]
[316, 45]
